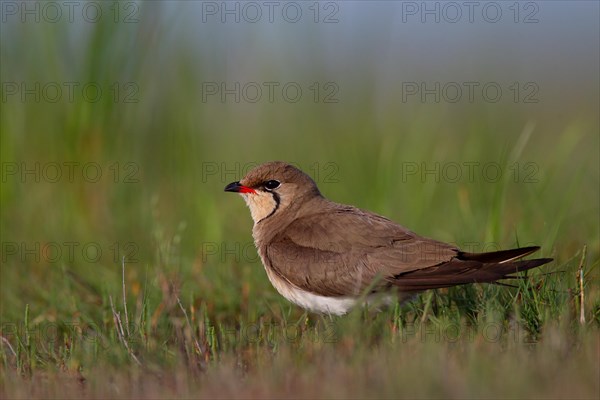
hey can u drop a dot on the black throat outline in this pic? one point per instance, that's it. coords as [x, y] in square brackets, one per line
[277, 202]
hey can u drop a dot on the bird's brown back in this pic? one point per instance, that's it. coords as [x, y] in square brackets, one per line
[337, 250]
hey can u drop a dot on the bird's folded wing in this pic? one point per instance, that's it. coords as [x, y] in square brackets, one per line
[345, 251]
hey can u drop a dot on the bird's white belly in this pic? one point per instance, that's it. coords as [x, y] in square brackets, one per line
[310, 301]
[317, 303]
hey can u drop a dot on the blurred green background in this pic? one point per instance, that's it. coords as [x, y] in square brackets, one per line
[151, 152]
[475, 123]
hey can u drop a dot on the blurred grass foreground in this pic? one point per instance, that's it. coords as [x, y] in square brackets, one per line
[126, 272]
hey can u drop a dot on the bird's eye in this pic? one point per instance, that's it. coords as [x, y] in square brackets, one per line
[270, 185]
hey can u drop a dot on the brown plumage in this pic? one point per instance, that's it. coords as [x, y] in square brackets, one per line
[323, 255]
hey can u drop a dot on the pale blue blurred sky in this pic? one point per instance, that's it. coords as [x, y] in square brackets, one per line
[374, 45]
[553, 43]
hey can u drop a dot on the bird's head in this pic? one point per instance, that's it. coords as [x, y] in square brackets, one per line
[273, 188]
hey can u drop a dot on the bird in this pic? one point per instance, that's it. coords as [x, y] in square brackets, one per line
[328, 257]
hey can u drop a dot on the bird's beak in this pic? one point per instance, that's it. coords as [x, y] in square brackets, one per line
[238, 188]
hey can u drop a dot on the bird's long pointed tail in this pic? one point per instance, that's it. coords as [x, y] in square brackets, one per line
[470, 268]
